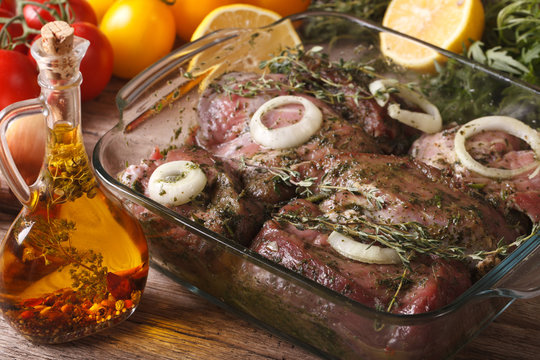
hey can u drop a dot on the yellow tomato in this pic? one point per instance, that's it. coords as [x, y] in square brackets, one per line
[189, 13]
[100, 7]
[282, 7]
[140, 31]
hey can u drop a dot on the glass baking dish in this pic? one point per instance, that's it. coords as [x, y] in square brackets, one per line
[158, 106]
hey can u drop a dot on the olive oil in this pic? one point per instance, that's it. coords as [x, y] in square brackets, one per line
[74, 261]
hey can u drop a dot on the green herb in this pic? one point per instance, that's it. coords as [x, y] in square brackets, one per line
[505, 249]
[403, 280]
[496, 58]
[288, 177]
[51, 240]
[370, 194]
[407, 239]
[68, 167]
[310, 73]
[328, 28]
[511, 45]
[516, 30]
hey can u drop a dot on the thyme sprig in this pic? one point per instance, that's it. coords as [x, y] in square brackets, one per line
[402, 281]
[51, 240]
[286, 176]
[68, 167]
[310, 73]
[407, 239]
[505, 249]
[370, 194]
[293, 178]
[317, 79]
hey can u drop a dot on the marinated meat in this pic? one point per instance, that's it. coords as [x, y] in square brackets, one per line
[350, 84]
[391, 189]
[362, 182]
[366, 192]
[220, 207]
[430, 284]
[495, 149]
[225, 111]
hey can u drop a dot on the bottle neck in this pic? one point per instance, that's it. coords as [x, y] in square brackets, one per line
[62, 103]
[60, 80]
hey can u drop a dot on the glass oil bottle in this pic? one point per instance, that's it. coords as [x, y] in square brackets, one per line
[74, 261]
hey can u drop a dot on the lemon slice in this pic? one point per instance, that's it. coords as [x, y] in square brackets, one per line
[448, 24]
[248, 49]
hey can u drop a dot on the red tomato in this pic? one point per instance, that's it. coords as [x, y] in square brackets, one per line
[97, 64]
[78, 10]
[8, 5]
[14, 29]
[84, 12]
[19, 78]
[36, 38]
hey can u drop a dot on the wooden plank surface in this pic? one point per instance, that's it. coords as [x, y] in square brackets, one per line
[173, 323]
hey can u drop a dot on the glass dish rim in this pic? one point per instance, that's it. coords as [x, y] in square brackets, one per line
[136, 86]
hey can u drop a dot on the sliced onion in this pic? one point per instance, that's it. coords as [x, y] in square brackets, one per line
[371, 254]
[176, 183]
[287, 136]
[378, 89]
[429, 121]
[496, 123]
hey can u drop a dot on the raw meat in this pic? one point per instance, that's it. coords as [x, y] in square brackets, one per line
[495, 149]
[384, 190]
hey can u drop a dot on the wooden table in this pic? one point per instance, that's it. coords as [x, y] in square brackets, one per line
[173, 323]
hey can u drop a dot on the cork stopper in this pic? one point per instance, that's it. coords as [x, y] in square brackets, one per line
[57, 38]
[57, 41]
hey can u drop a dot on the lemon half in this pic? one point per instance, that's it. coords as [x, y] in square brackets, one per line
[448, 24]
[248, 49]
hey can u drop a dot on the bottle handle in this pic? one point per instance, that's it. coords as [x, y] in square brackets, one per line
[12, 174]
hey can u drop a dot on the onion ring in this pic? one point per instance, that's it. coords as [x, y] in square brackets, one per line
[492, 123]
[176, 183]
[429, 122]
[371, 254]
[287, 136]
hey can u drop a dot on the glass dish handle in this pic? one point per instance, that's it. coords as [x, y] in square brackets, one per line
[12, 174]
[151, 75]
[523, 280]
